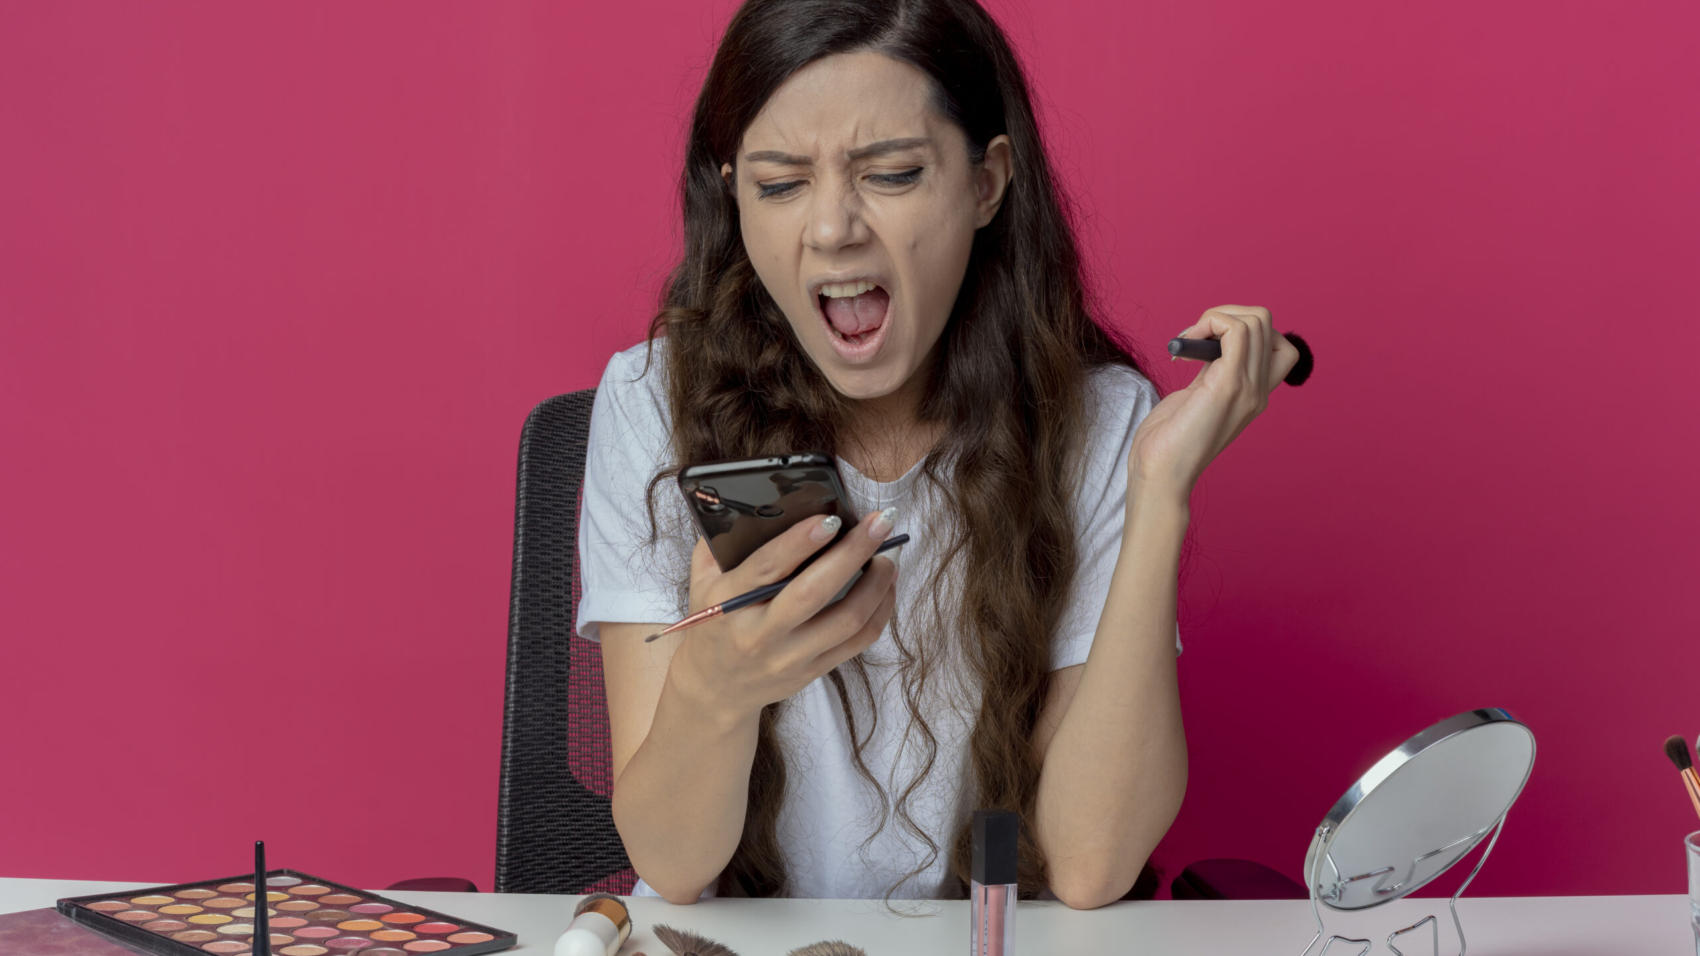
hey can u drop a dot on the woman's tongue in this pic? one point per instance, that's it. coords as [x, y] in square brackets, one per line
[856, 316]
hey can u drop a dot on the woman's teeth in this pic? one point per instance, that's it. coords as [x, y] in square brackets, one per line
[844, 290]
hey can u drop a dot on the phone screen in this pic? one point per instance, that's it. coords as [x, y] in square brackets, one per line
[738, 506]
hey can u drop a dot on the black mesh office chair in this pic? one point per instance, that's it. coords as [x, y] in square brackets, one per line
[554, 823]
[555, 827]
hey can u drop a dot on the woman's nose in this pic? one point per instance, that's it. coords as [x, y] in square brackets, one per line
[835, 220]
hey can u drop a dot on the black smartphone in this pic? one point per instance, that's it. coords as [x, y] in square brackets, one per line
[740, 505]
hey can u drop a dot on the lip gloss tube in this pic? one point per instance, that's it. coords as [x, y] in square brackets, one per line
[991, 891]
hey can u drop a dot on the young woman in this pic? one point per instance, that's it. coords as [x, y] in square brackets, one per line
[877, 263]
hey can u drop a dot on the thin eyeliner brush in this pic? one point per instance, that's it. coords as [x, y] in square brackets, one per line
[763, 593]
[262, 902]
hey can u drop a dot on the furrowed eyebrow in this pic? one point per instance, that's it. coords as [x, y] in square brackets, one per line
[889, 146]
[872, 149]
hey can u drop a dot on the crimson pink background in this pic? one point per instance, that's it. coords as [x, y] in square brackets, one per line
[279, 282]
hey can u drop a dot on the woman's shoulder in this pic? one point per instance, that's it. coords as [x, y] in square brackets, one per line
[1118, 397]
[634, 381]
[640, 366]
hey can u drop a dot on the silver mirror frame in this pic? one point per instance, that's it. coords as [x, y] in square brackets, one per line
[1355, 795]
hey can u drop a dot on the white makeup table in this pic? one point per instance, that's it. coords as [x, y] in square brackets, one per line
[1503, 926]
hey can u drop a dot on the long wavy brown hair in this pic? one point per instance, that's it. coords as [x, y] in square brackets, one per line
[1007, 385]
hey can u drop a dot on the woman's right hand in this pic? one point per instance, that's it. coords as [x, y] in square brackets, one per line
[737, 664]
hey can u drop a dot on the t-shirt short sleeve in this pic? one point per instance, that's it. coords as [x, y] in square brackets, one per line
[629, 572]
[1118, 399]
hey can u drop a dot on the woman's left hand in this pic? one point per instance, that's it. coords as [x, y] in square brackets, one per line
[1189, 428]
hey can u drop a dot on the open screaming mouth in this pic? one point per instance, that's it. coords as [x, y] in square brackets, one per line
[854, 310]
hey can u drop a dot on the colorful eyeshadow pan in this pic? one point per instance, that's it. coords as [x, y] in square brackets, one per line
[209, 919]
[309, 917]
[247, 912]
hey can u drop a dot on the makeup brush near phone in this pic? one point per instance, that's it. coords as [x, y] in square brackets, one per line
[763, 593]
[1676, 749]
[1209, 350]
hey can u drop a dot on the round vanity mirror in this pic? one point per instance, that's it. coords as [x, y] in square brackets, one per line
[1420, 809]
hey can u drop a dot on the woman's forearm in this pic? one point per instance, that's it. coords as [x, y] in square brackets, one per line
[679, 803]
[1115, 769]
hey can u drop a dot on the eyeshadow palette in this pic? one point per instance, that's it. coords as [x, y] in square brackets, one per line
[308, 917]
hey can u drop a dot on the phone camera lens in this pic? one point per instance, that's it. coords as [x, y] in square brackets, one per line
[770, 511]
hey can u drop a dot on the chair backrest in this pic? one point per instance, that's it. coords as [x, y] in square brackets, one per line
[555, 825]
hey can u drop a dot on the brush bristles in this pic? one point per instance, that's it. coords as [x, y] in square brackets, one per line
[1306, 363]
[831, 947]
[1677, 750]
[584, 904]
[689, 944]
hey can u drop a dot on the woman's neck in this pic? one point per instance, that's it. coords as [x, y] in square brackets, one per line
[885, 436]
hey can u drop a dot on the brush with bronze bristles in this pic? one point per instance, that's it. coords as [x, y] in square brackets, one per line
[831, 947]
[1677, 750]
[684, 943]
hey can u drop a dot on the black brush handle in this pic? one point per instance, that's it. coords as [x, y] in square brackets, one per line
[1209, 350]
[262, 901]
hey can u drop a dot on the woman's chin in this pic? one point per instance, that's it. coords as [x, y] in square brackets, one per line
[864, 384]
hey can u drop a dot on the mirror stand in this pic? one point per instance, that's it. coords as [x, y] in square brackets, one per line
[1311, 879]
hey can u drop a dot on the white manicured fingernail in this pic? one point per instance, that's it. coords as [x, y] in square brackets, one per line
[882, 524]
[827, 528]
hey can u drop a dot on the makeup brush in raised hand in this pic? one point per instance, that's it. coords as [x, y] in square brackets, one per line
[1677, 750]
[1209, 350]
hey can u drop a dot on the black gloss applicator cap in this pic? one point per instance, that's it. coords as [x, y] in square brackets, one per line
[994, 838]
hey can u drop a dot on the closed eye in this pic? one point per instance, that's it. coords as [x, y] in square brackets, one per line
[904, 178]
[769, 190]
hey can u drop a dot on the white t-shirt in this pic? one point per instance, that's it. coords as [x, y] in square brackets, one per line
[829, 812]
